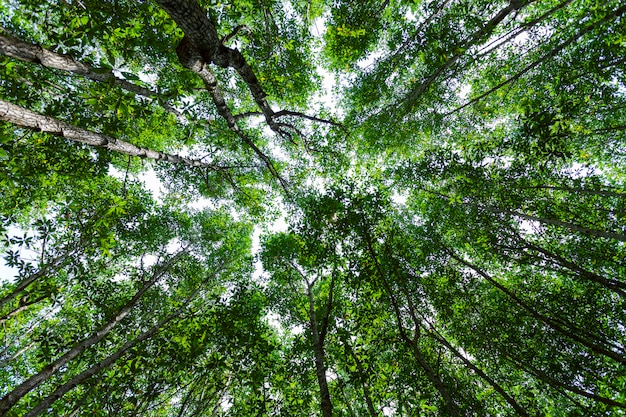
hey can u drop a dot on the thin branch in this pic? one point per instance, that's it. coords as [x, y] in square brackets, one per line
[237, 29]
[541, 60]
[283, 113]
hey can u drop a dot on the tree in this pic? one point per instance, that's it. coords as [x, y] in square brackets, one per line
[454, 207]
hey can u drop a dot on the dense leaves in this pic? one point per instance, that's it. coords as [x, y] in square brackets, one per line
[449, 173]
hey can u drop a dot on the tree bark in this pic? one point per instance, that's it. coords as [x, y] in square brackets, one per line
[613, 285]
[60, 391]
[23, 305]
[25, 282]
[476, 37]
[24, 51]
[571, 226]
[514, 404]
[363, 378]
[202, 35]
[26, 118]
[318, 346]
[559, 327]
[542, 59]
[10, 399]
[191, 59]
[439, 338]
[539, 374]
[603, 193]
[432, 376]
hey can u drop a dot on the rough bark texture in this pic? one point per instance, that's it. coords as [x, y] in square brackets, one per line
[190, 58]
[26, 118]
[10, 399]
[202, 46]
[201, 37]
[29, 52]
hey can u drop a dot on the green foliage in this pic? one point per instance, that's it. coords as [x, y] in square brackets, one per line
[455, 237]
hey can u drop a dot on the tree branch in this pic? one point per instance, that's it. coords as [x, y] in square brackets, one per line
[28, 52]
[29, 119]
[541, 60]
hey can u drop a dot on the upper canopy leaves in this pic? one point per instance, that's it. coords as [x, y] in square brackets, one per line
[455, 235]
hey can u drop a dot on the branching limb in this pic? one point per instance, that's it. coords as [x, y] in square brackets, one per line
[192, 60]
[29, 119]
[247, 114]
[283, 113]
[28, 52]
[233, 33]
[544, 58]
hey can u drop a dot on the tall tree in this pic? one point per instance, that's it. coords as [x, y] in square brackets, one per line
[450, 172]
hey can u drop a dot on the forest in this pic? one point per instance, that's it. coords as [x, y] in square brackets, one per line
[313, 208]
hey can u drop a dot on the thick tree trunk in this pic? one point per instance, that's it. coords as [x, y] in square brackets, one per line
[25, 118]
[10, 399]
[202, 36]
[191, 59]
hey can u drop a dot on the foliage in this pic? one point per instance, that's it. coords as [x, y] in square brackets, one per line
[455, 208]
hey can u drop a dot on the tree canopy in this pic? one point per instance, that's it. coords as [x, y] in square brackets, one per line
[451, 173]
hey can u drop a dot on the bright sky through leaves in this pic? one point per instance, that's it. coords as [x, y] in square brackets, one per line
[313, 208]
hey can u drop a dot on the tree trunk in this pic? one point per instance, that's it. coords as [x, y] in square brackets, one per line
[29, 52]
[105, 363]
[603, 193]
[202, 35]
[411, 342]
[24, 304]
[478, 36]
[544, 59]
[571, 226]
[25, 118]
[613, 285]
[520, 411]
[25, 282]
[539, 374]
[10, 399]
[363, 378]
[320, 369]
[559, 327]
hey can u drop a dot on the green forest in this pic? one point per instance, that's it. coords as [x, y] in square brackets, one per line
[313, 208]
